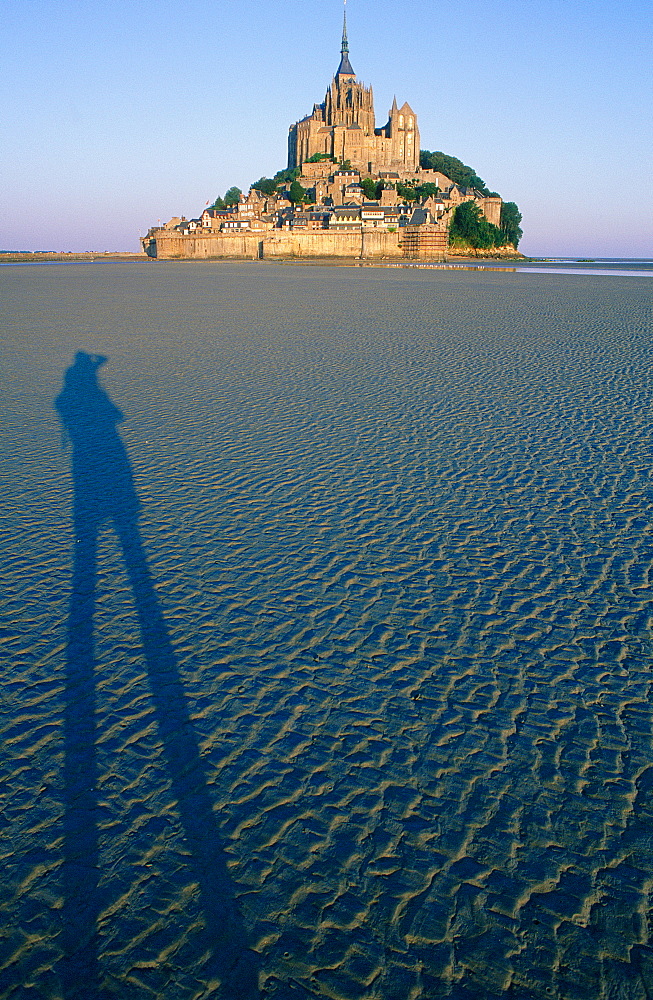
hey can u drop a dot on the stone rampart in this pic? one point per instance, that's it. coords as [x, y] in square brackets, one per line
[240, 245]
[312, 244]
[357, 243]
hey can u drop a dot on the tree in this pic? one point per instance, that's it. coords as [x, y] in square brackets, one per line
[232, 197]
[286, 176]
[453, 168]
[405, 192]
[427, 190]
[470, 226]
[510, 219]
[218, 204]
[266, 185]
[369, 187]
[318, 157]
[296, 192]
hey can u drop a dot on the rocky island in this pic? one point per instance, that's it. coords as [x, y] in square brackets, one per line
[353, 190]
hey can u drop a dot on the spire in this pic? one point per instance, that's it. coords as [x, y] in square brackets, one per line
[344, 69]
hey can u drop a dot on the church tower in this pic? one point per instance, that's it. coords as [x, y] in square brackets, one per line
[343, 129]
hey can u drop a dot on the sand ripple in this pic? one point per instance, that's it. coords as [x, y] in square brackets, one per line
[400, 528]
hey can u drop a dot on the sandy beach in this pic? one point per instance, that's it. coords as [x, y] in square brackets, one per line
[354, 700]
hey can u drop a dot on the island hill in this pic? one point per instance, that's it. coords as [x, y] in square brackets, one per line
[350, 190]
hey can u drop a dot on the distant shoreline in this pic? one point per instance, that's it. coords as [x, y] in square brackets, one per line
[28, 256]
[462, 260]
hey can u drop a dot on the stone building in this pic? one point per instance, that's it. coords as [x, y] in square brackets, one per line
[343, 128]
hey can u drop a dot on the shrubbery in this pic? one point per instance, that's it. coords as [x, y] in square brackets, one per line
[453, 168]
[232, 197]
[296, 193]
[371, 189]
[407, 192]
[470, 226]
[510, 219]
[268, 185]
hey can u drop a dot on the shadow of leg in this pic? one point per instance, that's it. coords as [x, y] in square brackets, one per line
[79, 966]
[104, 489]
[232, 961]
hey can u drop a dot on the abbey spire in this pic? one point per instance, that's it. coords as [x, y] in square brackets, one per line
[342, 128]
[345, 68]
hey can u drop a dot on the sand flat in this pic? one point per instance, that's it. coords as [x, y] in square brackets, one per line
[376, 721]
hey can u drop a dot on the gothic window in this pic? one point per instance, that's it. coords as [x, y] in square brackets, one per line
[401, 121]
[410, 122]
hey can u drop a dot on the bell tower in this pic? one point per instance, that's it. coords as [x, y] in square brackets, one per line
[343, 128]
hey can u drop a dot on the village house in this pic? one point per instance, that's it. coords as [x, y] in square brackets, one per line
[346, 217]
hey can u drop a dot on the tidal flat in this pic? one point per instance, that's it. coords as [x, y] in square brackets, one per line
[359, 705]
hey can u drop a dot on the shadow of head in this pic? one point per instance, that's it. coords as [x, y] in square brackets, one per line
[102, 474]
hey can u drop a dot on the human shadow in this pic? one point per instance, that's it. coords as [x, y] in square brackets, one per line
[104, 491]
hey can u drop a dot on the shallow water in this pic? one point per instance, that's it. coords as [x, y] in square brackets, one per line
[361, 708]
[621, 272]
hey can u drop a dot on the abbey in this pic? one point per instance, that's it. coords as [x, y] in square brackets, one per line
[343, 128]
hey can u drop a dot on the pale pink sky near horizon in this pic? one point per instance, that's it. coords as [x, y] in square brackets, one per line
[122, 113]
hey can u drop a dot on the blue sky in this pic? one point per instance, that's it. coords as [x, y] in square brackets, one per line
[118, 113]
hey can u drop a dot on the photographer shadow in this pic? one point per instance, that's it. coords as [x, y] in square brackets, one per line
[104, 491]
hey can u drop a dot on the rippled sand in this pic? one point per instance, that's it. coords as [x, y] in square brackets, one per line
[381, 726]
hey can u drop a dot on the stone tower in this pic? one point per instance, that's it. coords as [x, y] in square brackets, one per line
[343, 127]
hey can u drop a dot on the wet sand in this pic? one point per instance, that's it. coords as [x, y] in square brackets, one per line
[360, 706]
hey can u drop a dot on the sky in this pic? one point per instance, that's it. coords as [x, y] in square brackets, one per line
[121, 113]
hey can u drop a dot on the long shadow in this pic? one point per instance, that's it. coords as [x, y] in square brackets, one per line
[104, 491]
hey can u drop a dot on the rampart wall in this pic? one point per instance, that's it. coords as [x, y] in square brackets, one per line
[365, 243]
[173, 245]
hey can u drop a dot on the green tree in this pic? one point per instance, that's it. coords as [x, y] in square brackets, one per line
[405, 192]
[427, 190]
[218, 204]
[470, 226]
[266, 185]
[232, 197]
[286, 176]
[296, 192]
[318, 157]
[454, 168]
[369, 187]
[510, 219]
